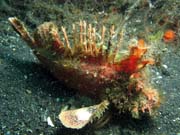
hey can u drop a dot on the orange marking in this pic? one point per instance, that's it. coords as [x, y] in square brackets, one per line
[169, 36]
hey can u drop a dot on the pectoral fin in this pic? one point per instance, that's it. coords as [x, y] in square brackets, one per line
[79, 118]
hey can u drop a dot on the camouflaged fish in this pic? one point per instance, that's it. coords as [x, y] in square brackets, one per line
[88, 59]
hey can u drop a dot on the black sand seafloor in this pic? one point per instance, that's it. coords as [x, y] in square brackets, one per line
[30, 96]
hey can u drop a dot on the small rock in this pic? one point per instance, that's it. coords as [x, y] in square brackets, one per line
[25, 77]
[57, 99]
[29, 91]
[7, 133]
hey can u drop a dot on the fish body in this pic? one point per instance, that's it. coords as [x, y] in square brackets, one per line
[92, 66]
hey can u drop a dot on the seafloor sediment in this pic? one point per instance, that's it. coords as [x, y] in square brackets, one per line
[29, 94]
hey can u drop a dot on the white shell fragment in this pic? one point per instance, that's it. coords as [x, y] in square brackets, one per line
[49, 121]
